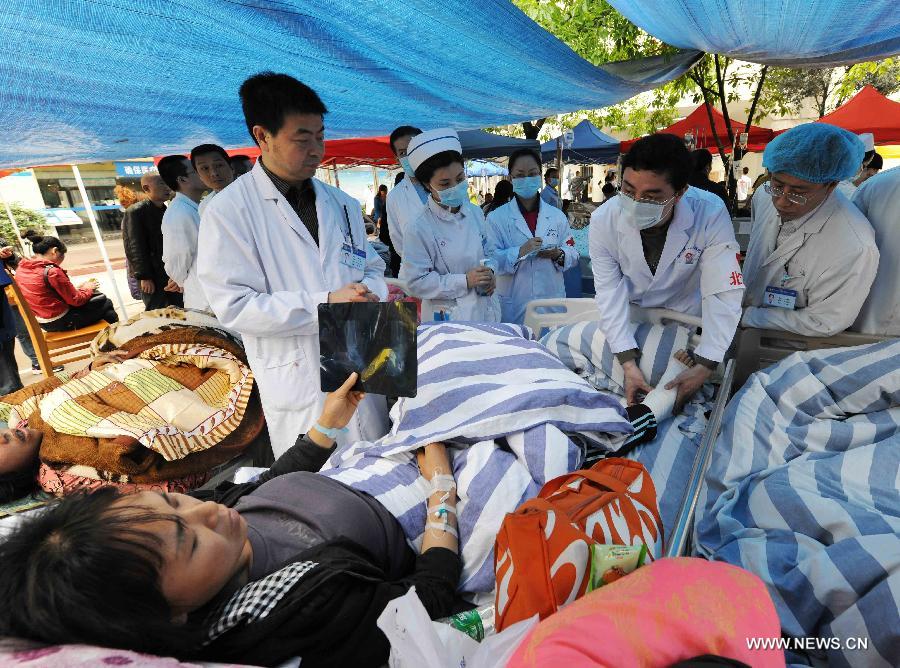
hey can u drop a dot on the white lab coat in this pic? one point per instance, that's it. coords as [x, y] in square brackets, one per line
[829, 258]
[534, 278]
[405, 203]
[698, 272]
[180, 227]
[879, 200]
[205, 202]
[847, 188]
[265, 277]
[440, 248]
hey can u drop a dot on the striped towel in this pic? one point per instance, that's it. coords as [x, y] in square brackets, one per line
[803, 492]
[505, 403]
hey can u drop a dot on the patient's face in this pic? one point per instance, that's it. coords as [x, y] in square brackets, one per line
[18, 448]
[201, 554]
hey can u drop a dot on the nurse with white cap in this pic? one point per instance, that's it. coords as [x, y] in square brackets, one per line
[445, 249]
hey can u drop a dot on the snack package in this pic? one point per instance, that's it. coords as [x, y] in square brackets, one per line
[611, 562]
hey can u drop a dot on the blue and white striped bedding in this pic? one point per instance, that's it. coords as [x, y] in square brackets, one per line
[803, 491]
[670, 457]
[505, 402]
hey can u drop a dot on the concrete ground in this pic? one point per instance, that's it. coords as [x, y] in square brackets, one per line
[84, 261]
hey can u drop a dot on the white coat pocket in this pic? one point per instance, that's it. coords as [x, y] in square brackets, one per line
[284, 371]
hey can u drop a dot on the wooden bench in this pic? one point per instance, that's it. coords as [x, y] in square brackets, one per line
[54, 348]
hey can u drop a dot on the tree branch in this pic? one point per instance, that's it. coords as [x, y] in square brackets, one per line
[756, 96]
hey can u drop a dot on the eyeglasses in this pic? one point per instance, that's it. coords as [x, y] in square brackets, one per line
[645, 200]
[793, 198]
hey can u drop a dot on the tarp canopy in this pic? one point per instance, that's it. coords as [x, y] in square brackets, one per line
[589, 145]
[477, 144]
[868, 111]
[88, 80]
[793, 33]
[697, 123]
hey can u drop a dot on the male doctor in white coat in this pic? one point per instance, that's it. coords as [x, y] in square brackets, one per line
[406, 202]
[812, 255]
[276, 244]
[663, 244]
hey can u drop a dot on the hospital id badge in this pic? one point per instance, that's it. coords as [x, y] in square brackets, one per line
[780, 297]
[354, 258]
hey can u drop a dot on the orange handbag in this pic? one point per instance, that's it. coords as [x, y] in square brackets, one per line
[543, 550]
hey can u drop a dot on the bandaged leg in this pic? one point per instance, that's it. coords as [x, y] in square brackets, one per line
[660, 400]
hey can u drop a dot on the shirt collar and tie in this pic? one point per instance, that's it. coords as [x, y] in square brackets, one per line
[302, 199]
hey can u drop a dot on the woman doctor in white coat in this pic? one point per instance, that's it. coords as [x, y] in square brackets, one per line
[532, 242]
[446, 256]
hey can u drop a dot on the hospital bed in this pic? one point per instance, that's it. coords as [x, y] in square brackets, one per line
[544, 314]
[756, 349]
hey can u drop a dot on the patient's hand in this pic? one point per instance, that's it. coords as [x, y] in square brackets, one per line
[433, 460]
[341, 404]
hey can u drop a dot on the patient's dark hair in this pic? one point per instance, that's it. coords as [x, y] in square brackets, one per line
[17, 484]
[84, 571]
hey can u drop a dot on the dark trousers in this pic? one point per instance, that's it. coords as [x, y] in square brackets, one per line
[9, 370]
[22, 336]
[97, 309]
[160, 298]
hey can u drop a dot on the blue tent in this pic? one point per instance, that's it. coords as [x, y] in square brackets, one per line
[589, 146]
[793, 33]
[84, 80]
[477, 144]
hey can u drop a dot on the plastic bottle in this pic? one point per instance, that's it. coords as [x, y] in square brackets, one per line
[482, 292]
[477, 623]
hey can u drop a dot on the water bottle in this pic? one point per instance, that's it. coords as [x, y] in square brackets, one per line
[479, 290]
[477, 623]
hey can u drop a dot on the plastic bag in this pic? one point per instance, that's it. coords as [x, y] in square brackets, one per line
[377, 340]
[416, 641]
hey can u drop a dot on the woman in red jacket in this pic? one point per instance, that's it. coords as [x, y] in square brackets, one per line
[58, 305]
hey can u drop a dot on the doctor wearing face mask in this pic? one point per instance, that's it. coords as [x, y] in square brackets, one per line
[446, 254]
[532, 241]
[663, 244]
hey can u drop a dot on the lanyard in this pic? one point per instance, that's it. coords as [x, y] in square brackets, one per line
[349, 227]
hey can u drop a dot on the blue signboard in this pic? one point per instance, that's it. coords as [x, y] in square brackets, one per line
[133, 169]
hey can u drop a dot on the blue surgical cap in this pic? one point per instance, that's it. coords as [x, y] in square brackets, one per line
[815, 152]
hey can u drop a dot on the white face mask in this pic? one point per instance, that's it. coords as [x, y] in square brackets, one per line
[643, 215]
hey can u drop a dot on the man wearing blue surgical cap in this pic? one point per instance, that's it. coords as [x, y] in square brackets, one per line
[812, 255]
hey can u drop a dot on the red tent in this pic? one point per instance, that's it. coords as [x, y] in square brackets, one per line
[351, 152]
[868, 111]
[697, 123]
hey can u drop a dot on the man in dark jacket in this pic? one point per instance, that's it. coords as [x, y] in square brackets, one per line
[142, 236]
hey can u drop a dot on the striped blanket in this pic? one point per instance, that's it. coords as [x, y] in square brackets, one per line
[803, 491]
[670, 457]
[505, 404]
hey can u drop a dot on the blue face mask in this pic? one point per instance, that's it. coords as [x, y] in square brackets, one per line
[454, 195]
[404, 163]
[526, 186]
[554, 182]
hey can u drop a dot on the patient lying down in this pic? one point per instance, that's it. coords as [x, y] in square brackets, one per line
[293, 564]
[160, 413]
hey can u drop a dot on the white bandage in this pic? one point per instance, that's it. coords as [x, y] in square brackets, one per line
[442, 483]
